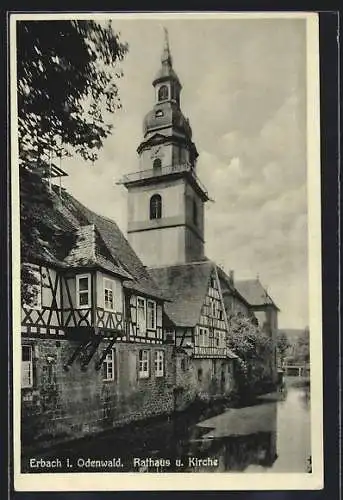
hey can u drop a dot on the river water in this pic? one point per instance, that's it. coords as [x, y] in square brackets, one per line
[272, 435]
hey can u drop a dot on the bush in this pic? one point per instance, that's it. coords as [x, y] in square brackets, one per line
[254, 349]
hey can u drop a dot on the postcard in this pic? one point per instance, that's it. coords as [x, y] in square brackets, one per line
[166, 251]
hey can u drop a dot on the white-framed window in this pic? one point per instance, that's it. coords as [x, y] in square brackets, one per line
[83, 291]
[203, 337]
[151, 314]
[141, 316]
[35, 289]
[109, 366]
[109, 294]
[144, 364]
[159, 363]
[26, 366]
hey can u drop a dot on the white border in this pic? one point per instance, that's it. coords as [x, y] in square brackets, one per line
[190, 481]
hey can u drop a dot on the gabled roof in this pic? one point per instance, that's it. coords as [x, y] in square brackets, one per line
[228, 286]
[118, 247]
[99, 242]
[254, 293]
[186, 285]
[89, 250]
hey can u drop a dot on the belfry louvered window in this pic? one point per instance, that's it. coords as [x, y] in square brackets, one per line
[155, 207]
[163, 93]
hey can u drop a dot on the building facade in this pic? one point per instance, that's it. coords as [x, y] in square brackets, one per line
[196, 323]
[93, 349]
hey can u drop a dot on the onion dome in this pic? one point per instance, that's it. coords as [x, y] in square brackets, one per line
[167, 115]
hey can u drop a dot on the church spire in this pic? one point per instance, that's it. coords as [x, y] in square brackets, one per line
[166, 73]
[166, 55]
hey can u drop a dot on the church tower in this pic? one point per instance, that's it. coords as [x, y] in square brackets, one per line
[165, 197]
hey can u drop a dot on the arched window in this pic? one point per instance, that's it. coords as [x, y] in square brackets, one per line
[163, 93]
[195, 213]
[155, 207]
[157, 165]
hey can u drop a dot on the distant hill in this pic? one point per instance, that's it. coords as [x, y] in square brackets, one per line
[293, 334]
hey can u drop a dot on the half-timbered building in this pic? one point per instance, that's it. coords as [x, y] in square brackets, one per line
[196, 321]
[93, 352]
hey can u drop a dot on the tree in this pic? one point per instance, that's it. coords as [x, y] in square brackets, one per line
[302, 348]
[282, 345]
[66, 92]
[254, 350]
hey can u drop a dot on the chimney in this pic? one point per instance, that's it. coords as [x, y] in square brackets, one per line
[232, 276]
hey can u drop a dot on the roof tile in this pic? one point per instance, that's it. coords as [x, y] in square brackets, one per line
[186, 285]
[254, 293]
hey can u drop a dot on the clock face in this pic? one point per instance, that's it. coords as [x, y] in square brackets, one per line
[157, 152]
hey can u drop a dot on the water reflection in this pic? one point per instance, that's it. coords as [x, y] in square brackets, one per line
[271, 435]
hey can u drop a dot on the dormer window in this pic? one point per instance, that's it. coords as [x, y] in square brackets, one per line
[163, 93]
[155, 207]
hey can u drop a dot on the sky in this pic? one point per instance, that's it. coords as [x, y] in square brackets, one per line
[244, 92]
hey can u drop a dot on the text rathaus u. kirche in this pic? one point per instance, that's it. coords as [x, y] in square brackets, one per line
[131, 328]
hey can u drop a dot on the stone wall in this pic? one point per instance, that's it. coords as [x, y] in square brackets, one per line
[64, 405]
[202, 379]
[68, 404]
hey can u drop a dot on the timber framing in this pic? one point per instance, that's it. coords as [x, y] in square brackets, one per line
[59, 317]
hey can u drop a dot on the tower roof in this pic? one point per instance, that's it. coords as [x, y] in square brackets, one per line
[167, 115]
[166, 71]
